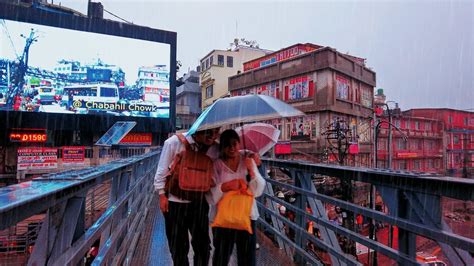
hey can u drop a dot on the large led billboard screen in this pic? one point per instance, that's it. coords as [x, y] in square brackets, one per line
[56, 70]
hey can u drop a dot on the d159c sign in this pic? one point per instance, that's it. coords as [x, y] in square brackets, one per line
[28, 137]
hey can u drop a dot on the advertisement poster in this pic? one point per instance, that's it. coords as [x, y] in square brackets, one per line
[73, 155]
[270, 89]
[37, 158]
[299, 88]
[300, 129]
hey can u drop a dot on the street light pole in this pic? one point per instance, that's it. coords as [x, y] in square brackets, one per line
[390, 128]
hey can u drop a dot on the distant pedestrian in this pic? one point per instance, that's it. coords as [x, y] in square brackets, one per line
[359, 222]
[70, 100]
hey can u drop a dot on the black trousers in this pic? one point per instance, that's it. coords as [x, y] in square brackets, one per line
[224, 240]
[182, 218]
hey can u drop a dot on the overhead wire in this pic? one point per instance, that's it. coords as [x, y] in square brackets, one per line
[5, 28]
[112, 14]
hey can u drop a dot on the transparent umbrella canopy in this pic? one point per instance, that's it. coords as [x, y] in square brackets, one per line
[243, 109]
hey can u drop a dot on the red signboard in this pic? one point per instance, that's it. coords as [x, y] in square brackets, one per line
[354, 148]
[37, 158]
[282, 148]
[407, 155]
[137, 139]
[73, 155]
[278, 56]
[28, 137]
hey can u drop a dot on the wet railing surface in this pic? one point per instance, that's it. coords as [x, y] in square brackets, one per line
[63, 238]
[413, 207]
[412, 202]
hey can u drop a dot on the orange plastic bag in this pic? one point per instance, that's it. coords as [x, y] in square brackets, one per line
[233, 210]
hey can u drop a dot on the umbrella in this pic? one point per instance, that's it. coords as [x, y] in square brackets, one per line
[243, 109]
[258, 137]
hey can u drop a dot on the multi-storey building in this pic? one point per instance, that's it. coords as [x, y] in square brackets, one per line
[218, 65]
[153, 81]
[188, 100]
[458, 138]
[417, 143]
[323, 83]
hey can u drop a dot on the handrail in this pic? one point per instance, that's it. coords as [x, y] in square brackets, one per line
[452, 187]
[398, 190]
[63, 236]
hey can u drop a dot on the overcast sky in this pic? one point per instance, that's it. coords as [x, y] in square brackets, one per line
[422, 52]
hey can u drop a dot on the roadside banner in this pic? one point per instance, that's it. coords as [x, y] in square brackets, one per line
[37, 158]
[73, 155]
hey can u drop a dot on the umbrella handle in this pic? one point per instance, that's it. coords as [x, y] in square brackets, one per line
[248, 177]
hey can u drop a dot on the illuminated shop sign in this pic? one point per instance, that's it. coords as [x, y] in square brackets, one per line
[28, 136]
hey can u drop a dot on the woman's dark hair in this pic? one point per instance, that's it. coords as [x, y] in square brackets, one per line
[226, 139]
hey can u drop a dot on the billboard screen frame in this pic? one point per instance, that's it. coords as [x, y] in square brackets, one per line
[20, 119]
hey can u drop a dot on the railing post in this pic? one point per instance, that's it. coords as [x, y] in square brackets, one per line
[427, 210]
[300, 239]
[319, 211]
[406, 239]
[63, 224]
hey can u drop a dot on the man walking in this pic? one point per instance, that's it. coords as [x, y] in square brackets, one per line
[184, 217]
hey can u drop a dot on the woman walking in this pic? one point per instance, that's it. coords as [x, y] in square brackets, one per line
[230, 173]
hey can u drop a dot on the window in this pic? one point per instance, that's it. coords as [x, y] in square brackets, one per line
[437, 163]
[430, 145]
[397, 123]
[420, 144]
[381, 145]
[288, 131]
[209, 91]
[280, 137]
[428, 126]
[417, 125]
[357, 95]
[466, 121]
[313, 130]
[413, 144]
[402, 144]
[207, 63]
[450, 119]
[203, 66]
[220, 60]
[429, 164]
[402, 165]
[456, 139]
[367, 97]
[108, 92]
[211, 60]
[416, 164]
[457, 159]
[342, 88]
[230, 61]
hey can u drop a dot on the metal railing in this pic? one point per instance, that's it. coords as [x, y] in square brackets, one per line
[65, 199]
[413, 202]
